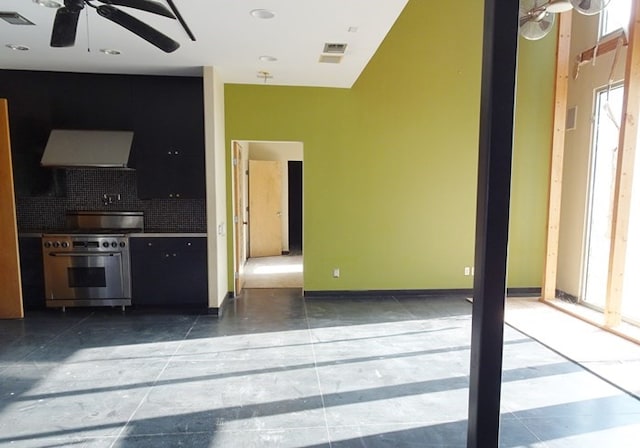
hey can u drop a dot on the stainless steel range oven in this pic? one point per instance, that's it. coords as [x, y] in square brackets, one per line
[90, 269]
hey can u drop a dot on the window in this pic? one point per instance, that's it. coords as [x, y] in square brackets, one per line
[615, 16]
[608, 112]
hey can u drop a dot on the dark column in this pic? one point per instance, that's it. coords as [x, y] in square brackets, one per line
[492, 219]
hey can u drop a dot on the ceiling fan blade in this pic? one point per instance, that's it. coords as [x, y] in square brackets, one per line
[143, 5]
[65, 26]
[151, 35]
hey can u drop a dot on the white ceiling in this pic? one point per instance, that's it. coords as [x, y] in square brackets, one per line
[228, 37]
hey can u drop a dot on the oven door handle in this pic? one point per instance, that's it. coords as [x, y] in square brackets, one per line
[84, 254]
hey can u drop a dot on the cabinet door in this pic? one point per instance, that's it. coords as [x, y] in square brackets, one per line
[31, 272]
[168, 146]
[169, 271]
[172, 173]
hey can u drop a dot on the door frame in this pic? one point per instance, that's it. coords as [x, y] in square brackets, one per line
[238, 216]
[236, 192]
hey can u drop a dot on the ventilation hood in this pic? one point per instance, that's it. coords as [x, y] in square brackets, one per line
[87, 149]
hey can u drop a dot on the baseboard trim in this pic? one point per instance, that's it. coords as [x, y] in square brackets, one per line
[219, 311]
[387, 293]
[511, 292]
[524, 292]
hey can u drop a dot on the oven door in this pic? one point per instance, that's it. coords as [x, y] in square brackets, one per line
[84, 275]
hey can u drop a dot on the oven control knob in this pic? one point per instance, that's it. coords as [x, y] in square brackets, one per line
[114, 244]
[47, 244]
[56, 244]
[122, 244]
[105, 244]
[65, 244]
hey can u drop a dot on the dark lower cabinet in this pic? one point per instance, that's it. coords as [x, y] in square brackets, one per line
[169, 271]
[31, 272]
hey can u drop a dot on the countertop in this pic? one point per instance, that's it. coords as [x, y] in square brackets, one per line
[33, 234]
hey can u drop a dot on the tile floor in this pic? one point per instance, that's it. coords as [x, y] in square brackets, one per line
[280, 371]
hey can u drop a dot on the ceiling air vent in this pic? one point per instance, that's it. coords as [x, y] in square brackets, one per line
[330, 58]
[14, 18]
[333, 48]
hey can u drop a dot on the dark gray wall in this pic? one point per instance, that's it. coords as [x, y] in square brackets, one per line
[41, 101]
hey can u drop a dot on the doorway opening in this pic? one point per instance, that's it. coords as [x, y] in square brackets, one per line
[604, 155]
[267, 205]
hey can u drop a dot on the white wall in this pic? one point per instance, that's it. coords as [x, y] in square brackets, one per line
[215, 186]
[282, 152]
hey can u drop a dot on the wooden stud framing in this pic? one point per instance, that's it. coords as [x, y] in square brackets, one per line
[557, 157]
[624, 174]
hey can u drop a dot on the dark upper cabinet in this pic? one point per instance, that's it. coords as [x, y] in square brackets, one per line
[168, 147]
[166, 114]
[169, 271]
[172, 172]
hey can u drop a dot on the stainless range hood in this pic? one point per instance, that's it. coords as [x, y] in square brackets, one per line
[87, 149]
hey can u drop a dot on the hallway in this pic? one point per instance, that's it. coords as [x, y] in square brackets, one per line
[285, 271]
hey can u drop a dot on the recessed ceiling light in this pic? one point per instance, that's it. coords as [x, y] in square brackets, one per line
[262, 14]
[110, 51]
[17, 47]
[48, 3]
[268, 58]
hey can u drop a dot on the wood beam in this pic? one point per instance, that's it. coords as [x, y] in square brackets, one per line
[557, 157]
[10, 289]
[500, 43]
[601, 49]
[624, 173]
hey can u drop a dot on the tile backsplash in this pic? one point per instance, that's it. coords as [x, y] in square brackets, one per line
[84, 191]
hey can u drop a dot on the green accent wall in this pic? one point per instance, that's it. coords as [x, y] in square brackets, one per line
[390, 164]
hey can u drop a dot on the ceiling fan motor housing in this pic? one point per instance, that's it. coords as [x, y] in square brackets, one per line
[74, 5]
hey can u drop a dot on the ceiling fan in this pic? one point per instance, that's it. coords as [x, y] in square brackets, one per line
[65, 23]
[537, 16]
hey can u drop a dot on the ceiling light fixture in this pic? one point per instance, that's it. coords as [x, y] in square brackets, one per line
[266, 58]
[110, 51]
[262, 14]
[17, 47]
[48, 3]
[264, 75]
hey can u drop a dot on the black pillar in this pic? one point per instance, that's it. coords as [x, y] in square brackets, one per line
[492, 219]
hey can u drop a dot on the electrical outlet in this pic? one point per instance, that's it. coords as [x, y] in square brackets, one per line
[467, 271]
[336, 272]
[110, 198]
